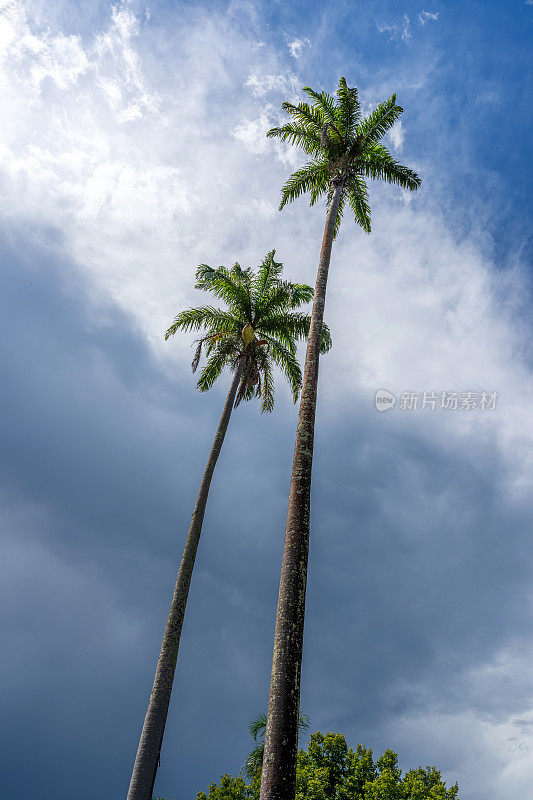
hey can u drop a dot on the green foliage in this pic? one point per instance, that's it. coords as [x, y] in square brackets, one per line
[345, 150]
[267, 303]
[229, 788]
[254, 763]
[330, 770]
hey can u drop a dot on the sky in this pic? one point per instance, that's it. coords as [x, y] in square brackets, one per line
[133, 148]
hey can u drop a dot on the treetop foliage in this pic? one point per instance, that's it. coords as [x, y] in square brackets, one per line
[260, 326]
[345, 149]
[330, 770]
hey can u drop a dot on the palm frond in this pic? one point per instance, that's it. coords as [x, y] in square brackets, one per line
[377, 163]
[312, 177]
[375, 126]
[284, 358]
[340, 209]
[349, 108]
[298, 135]
[192, 319]
[325, 103]
[310, 116]
[325, 339]
[257, 726]
[357, 195]
[212, 369]
[268, 273]
[287, 327]
[223, 284]
[267, 388]
[254, 763]
[282, 296]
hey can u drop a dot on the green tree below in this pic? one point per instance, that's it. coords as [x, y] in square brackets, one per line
[330, 770]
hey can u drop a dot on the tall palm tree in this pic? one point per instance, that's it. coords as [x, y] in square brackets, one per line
[345, 150]
[258, 328]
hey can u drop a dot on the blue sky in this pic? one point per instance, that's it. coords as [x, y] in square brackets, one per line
[132, 149]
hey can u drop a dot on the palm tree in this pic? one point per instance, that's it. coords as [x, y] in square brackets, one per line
[254, 763]
[345, 150]
[258, 328]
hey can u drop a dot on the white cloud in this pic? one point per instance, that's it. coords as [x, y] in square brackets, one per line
[427, 16]
[500, 751]
[396, 135]
[118, 69]
[252, 132]
[396, 31]
[263, 83]
[181, 183]
[297, 47]
[149, 163]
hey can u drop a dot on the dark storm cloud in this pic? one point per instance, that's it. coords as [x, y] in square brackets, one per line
[101, 456]
[419, 565]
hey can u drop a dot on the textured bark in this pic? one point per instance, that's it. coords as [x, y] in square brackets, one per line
[281, 736]
[147, 759]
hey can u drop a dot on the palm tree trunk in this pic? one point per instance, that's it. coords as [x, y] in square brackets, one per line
[281, 737]
[147, 759]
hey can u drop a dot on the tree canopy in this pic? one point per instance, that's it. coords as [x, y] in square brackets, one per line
[345, 150]
[330, 770]
[260, 325]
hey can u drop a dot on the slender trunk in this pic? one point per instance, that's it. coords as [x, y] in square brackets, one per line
[281, 736]
[147, 759]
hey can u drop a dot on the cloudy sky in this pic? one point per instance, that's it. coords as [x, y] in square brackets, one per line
[132, 148]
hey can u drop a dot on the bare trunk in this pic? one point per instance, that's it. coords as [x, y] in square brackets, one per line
[147, 759]
[281, 736]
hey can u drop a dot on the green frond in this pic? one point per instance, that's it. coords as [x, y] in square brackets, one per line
[340, 210]
[349, 108]
[254, 762]
[287, 327]
[193, 319]
[313, 177]
[268, 273]
[357, 195]
[378, 164]
[325, 339]
[286, 361]
[303, 722]
[257, 726]
[305, 138]
[223, 285]
[375, 126]
[267, 388]
[283, 296]
[241, 277]
[310, 116]
[325, 103]
[212, 369]
[300, 293]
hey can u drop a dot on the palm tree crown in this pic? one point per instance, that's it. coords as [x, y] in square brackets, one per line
[259, 328]
[345, 149]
